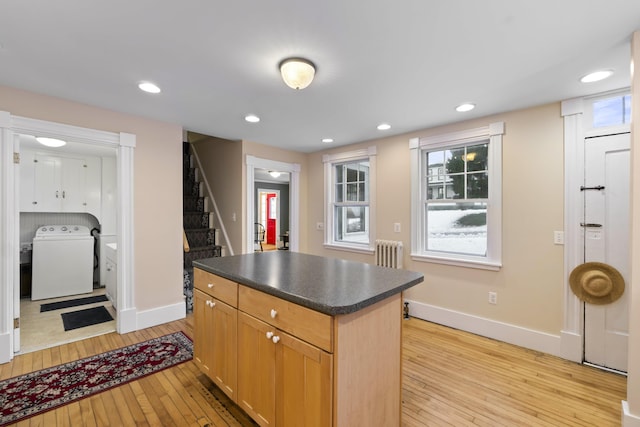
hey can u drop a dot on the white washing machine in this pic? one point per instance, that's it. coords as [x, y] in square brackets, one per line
[62, 261]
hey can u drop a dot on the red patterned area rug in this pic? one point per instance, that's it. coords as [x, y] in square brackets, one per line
[40, 391]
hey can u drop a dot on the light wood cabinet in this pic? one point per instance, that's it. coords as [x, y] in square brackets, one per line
[282, 380]
[215, 330]
[297, 367]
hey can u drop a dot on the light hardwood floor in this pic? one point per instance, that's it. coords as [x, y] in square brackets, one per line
[451, 378]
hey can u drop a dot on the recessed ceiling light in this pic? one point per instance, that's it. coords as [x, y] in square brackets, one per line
[327, 140]
[465, 107]
[149, 87]
[596, 76]
[252, 118]
[384, 126]
[51, 142]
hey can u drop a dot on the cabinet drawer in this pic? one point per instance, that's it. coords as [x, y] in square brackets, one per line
[308, 325]
[216, 286]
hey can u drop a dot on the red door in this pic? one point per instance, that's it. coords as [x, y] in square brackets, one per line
[272, 203]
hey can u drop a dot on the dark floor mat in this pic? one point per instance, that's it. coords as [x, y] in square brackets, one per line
[86, 317]
[72, 303]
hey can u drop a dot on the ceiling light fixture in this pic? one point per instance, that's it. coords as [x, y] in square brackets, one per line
[149, 87]
[252, 118]
[463, 108]
[51, 142]
[596, 76]
[274, 174]
[327, 140]
[297, 73]
[384, 126]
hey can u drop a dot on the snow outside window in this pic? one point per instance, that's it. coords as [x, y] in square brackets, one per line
[456, 197]
[349, 184]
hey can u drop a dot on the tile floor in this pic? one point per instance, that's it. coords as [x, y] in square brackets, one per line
[44, 330]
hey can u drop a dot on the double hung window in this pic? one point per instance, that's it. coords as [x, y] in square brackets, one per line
[349, 190]
[456, 197]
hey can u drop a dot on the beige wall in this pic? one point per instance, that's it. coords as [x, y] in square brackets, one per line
[157, 187]
[222, 164]
[530, 283]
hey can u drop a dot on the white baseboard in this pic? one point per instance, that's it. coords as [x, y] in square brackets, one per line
[629, 420]
[6, 349]
[127, 321]
[512, 334]
[160, 315]
[571, 346]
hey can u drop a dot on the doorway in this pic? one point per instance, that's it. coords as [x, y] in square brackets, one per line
[60, 189]
[606, 239]
[269, 210]
[257, 168]
[124, 144]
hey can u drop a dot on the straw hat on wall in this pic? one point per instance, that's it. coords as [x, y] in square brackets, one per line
[596, 283]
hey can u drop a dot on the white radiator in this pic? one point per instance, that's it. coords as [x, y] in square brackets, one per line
[389, 253]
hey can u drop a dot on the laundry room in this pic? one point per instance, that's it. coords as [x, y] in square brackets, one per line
[67, 232]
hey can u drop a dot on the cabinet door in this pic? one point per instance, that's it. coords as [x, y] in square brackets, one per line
[256, 369]
[224, 337]
[202, 321]
[47, 192]
[72, 178]
[27, 171]
[303, 384]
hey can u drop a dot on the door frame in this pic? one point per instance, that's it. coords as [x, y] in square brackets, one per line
[124, 143]
[253, 163]
[573, 113]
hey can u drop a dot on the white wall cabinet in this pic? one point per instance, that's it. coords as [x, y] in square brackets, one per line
[55, 183]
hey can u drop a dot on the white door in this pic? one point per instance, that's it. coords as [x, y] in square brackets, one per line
[606, 239]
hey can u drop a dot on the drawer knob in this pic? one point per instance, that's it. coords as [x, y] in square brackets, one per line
[269, 335]
[275, 339]
[273, 313]
[210, 303]
[210, 285]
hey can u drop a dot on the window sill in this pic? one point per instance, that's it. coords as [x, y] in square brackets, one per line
[458, 262]
[356, 249]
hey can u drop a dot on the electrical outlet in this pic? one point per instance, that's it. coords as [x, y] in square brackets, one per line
[493, 297]
[396, 227]
[558, 237]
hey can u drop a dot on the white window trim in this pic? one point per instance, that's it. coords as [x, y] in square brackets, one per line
[329, 189]
[493, 259]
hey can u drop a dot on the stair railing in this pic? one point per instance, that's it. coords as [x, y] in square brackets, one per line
[185, 242]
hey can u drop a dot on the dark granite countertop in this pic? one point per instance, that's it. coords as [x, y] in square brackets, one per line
[328, 285]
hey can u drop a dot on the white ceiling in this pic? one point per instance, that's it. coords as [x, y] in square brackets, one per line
[404, 62]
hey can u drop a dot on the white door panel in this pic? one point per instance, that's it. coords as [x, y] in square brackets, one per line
[606, 239]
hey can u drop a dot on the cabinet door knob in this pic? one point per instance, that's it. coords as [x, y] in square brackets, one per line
[57, 194]
[269, 335]
[273, 313]
[210, 285]
[275, 339]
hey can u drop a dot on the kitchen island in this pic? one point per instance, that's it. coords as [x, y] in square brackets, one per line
[302, 340]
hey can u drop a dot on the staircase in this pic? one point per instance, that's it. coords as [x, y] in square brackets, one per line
[197, 222]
